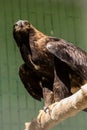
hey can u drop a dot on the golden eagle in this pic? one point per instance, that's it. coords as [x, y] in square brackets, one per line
[53, 68]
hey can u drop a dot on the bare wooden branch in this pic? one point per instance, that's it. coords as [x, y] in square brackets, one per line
[60, 111]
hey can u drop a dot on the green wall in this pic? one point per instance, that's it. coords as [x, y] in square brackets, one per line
[61, 18]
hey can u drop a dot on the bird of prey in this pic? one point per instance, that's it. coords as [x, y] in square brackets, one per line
[53, 68]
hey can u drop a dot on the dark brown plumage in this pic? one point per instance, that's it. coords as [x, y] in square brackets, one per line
[53, 68]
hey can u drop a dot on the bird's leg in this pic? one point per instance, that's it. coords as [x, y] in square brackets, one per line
[48, 98]
[60, 90]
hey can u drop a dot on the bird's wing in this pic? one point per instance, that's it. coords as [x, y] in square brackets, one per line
[73, 56]
[31, 82]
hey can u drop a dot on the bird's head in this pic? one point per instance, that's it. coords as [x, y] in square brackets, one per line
[21, 31]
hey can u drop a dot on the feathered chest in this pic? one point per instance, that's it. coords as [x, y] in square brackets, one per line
[40, 56]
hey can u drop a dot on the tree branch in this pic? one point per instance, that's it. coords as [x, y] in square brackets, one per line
[60, 111]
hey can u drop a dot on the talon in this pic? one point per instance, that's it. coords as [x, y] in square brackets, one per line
[46, 109]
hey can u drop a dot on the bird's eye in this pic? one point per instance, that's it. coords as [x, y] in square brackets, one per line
[15, 25]
[26, 22]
